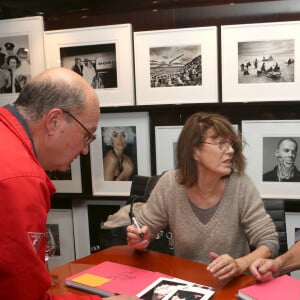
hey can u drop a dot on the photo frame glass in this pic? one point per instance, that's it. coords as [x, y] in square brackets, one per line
[176, 66]
[273, 161]
[60, 222]
[121, 151]
[102, 55]
[165, 147]
[260, 67]
[21, 55]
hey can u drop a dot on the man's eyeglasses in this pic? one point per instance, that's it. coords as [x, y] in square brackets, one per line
[89, 137]
[221, 145]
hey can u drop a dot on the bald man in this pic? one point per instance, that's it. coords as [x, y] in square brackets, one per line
[52, 121]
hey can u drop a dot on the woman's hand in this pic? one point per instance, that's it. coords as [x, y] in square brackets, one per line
[263, 269]
[134, 240]
[123, 297]
[224, 266]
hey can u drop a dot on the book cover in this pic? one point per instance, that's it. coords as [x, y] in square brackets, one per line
[283, 287]
[109, 278]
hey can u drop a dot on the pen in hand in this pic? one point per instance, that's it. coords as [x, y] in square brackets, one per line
[137, 226]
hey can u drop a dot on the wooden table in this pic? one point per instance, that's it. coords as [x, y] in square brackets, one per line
[154, 261]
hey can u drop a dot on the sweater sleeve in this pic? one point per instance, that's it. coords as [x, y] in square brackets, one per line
[73, 297]
[259, 226]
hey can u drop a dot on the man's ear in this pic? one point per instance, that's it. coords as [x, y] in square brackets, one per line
[277, 153]
[53, 119]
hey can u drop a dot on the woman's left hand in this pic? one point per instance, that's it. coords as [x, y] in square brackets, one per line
[224, 266]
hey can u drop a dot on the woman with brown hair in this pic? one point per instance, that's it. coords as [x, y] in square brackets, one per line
[212, 207]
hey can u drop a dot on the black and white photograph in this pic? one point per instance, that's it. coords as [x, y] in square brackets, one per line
[281, 162]
[103, 55]
[15, 67]
[95, 63]
[266, 61]
[175, 66]
[119, 153]
[21, 55]
[160, 288]
[190, 293]
[259, 62]
[273, 162]
[121, 150]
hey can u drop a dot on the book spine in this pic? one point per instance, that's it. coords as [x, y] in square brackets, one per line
[90, 289]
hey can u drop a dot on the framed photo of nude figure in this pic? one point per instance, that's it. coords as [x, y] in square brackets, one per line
[176, 66]
[121, 150]
[272, 153]
[260, 62]
[21, 55]
[103, 55]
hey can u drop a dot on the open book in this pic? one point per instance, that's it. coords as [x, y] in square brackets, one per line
[109, 278]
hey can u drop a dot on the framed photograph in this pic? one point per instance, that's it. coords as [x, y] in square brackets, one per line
[69, 181]
[121, 151]
[165, 147]
[292, 220]
[176, 66]
[103, 55]
[60, 222]
[88, 216]
[21, 55]
[260, 62]
[273, 162]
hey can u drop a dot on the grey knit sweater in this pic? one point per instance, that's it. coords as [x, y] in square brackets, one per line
[239, 221]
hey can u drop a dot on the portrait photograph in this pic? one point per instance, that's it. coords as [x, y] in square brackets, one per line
[121, 150]
[190, 293]
[15, 67]
[175, 66]
[281, 159]
[266, 61]
[21, 55]
[260, 62]
[95, 63]
[271, 148]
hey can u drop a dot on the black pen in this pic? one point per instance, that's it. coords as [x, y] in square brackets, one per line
[137, 226]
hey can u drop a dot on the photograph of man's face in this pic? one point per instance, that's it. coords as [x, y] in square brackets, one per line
[280, 159]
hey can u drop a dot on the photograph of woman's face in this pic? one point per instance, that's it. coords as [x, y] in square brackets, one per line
[119, 153]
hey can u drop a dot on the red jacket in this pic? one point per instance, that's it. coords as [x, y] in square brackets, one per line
[25, 191]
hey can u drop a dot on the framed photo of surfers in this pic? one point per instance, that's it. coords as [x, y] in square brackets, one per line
[176, 66]
[260, 62]
[273, 160]
[21, 55]
[121, 150]
[103, 55]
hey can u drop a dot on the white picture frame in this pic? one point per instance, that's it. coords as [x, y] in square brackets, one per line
[109, 45]
[82, 224]
[72, 185]
[139, 121]
[166, 47]
[261, 139]
[292, 220]
[23, 33]
[165, 147]
[61, 223]
[271, 42]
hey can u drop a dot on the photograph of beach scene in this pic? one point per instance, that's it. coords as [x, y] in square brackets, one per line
[266, 61]
[175, 66]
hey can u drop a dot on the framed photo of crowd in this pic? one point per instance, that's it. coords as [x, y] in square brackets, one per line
[103, 55]
[176, 66]
[121, 150]
[260, 62]
[21, 55]
[272, 152]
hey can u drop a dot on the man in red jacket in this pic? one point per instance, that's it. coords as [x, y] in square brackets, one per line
[52, 121]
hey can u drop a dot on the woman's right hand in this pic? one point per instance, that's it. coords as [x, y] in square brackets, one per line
[134, 240]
